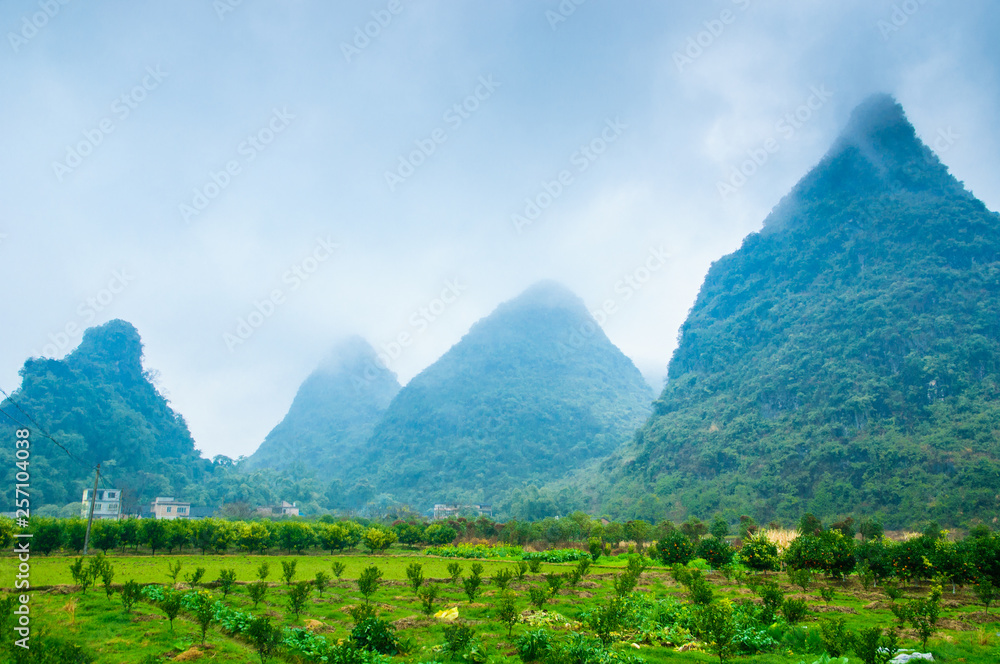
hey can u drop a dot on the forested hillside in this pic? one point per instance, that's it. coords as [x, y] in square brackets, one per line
[100, 404]
[333, 413]
[532, 392]
[846, 359]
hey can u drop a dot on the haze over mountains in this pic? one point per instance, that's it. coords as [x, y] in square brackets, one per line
[845, 360]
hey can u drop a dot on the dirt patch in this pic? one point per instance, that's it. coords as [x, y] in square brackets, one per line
[313, 625]
[190, 654]
[588, 584]
[955, 625]
[878, 604]
[823, 608]
[411, 622]
[980, 617]
[584, 594]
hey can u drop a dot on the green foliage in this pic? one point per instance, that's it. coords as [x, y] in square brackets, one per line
[716, 626]
[170, 605]
[827, 593]
[288, 570]
[675, 547]
[204, 615]
[800, 577]
[521, 385]
[773, 599]
[129, 595]
[457, 637]
[427, 597]
[555, 555]
[534, 565]
[101, 567]
[836, 637]
[471, 586]
[759, 553]
[555, 582]
[986, 592]
[455, 571]
[226, 581]
[794, 610]
[264, 570]
[506, 610]
[533, 646]
[415, 575]
[321, 581]
[298, 596]
[522, 569]
[717, 552]
[81, 575]
[793, 389]
[537, 597]
[872, 647]
[439, 534]
[502, 578]
[378, 540]
[263, 636]
[719, 528]
[595, 547]
[338, 568]
[195, 577]
[369, 581]
[362, 612]
[375, 635]
[257, 590]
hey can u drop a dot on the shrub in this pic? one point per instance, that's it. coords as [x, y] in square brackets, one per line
[298, 596]
[321, 581]
[595, 546]
[204, 614]
[535, 565]
[369, 581]
[537, 597]
[759, 553]
[701, 592]
[471, 586]
[129, 595]
[263, 570]
[800, 577]
[986, 592]
[773, 599]
[715, 624]
[606, 619]
[288, 570]
[174, 570]
[555, 582]
[427, 597]
[338, 568]
[794, 610]
[534, 646]
[263, 636]
[257, 590]
[502, 578]
[674, 547]
[522, 569]
[457, 637]
[227, 579]
[195, 577]
[836, 638]
[415, 575]
[872, 647]
[717, 552]
[455, 571]
[376, 635]
[81, 575]
[171, 605]
[506, 611]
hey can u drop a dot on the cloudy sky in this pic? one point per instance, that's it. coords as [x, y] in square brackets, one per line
[247, 181]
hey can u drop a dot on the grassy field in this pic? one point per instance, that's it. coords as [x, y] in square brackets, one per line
[964, 634]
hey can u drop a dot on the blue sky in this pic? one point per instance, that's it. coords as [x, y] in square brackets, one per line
[255, 107]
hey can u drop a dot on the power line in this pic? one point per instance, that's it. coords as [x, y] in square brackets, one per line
[45, 434]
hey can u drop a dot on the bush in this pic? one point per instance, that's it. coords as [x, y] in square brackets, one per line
[376, 635]
[130, 595]
[759, 553]
[794, 610]
[415, 575]
[257, 590]
[534, 646]
[264, 637]
[717, 552]
[836, 638]
[872, 647]
[298, 596]
[369, 581]
[454, 571]
[674, 547]
[457, 637]
[227, 579]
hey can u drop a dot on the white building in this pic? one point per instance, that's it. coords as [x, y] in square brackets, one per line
[107, 506]
[168, 508]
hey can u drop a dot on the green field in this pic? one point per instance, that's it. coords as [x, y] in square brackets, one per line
[963, 633]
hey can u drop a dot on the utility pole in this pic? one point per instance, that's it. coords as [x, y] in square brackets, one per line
[90, 519]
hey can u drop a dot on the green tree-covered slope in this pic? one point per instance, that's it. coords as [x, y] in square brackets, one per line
[532, 392]
[333, 413]
[100, 404]
[846, 359]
